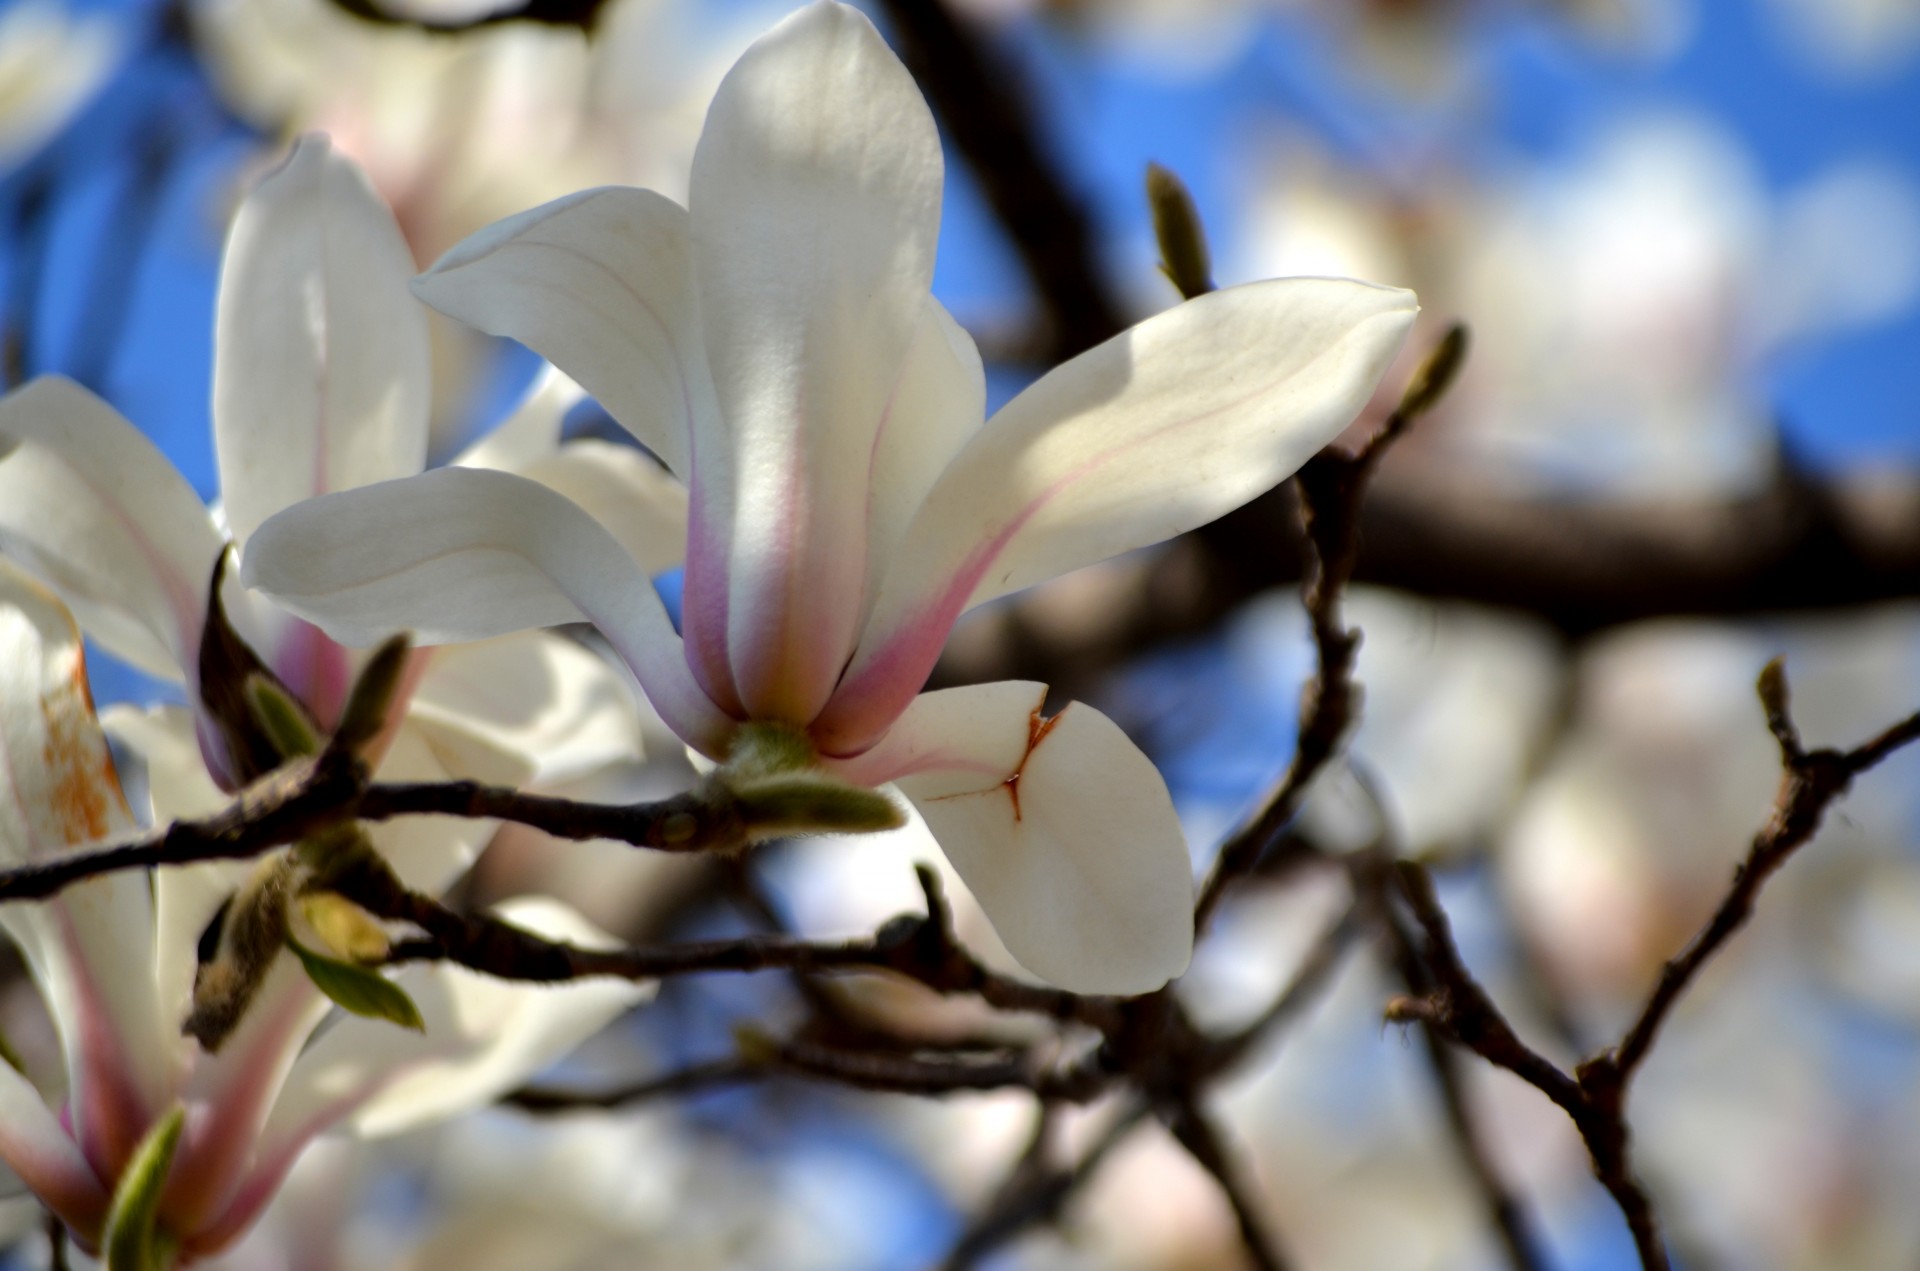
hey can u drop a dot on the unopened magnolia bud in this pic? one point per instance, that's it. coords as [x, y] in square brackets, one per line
[365, 716]
[1176, 225]
[1436, 375]
[281, 719]
[344, 927]
[228, 668]
[252, 933]
[811, 803]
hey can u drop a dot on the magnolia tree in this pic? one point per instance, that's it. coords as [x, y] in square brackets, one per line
[236, 909]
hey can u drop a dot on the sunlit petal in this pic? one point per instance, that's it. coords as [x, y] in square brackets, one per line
[321, 369]
[815, 206]
[89, 504]
[1162, 428]
[1061, 827]
[465, 554]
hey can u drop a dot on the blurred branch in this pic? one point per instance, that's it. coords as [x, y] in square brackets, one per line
[1580, 567]
[1195, 1131]
[1329, 489]
[56, 1243]
[694, 1079]
[1594, 1095]
[1373, 877]
[1036, 1194]
[991, 119]
[570, 13]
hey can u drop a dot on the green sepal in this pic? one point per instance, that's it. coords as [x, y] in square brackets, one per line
[1184, 258]
[364, 717]
[280, 717]
[1436, 374]
[358, 989]
[133, 1239]
[811, 803]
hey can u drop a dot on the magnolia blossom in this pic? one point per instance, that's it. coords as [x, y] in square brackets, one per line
[114, 958]
[777, 346]
[51, 63]
[320, 383]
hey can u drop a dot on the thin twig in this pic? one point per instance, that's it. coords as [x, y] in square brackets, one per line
[1195, 1131]
[714, 1074]
[1040, 1199]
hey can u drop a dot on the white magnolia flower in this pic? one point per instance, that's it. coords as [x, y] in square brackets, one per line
[778, 347]
[320, 383]
[114, 957]
[51, 63]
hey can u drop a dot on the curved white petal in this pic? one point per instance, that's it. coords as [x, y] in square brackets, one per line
[1061, 827]
[532, 431]
[35, 1147]
[427, 852]
[642, 506]
[92, 506]
[599, 283]
[816, 202]
[185, 897]
[321, 369]
[522, 709]
[91, 947]
[1162, 428]
[483, 1037]
[464, 554]
[940, 403]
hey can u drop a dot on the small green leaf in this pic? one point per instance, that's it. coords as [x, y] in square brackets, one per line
[359, 989]
[365, 714]
[281, 718]
[133, 1240]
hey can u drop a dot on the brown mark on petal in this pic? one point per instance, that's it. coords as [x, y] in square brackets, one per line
[1037, 730]
[83, 788]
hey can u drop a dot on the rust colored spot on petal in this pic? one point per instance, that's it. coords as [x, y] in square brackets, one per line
[82, 787]
[1037, 730]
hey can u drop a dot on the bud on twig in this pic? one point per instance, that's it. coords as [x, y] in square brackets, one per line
[230, 673]
[1176, 225]
[251, 935]
[365, 716]
[1435, 375]
[280, 718]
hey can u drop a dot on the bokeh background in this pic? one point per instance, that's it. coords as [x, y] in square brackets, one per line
[1686, 235]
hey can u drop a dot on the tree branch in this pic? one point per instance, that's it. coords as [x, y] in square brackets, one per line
[980, 99]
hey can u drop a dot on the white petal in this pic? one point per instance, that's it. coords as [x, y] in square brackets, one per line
[816, 203]
[527, 708]
[1162, 428]
[427, 852]
[321, 370]
[532, 431]
[1062, 828]
[465, 554]
[600, 283]
[643, 507]
[92, 506]
[940, 404]
[91, 947]
[185, 897]
[483, 1037]
[35, 1147]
